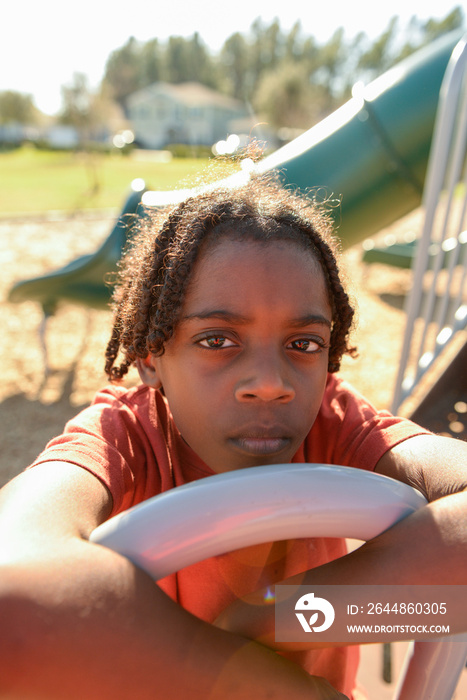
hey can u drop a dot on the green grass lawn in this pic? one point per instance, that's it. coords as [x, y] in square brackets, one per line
[38, 181]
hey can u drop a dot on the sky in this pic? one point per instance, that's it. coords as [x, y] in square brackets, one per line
[44, 42]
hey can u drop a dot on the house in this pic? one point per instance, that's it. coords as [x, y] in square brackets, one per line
[189, 113]
[62, 136]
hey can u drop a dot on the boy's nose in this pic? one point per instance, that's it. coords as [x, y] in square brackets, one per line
[265, 379]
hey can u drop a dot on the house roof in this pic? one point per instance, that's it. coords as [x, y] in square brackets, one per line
[191, 94]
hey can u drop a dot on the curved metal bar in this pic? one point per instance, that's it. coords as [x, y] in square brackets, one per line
[241, 508]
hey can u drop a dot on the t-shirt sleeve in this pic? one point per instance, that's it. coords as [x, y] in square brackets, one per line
[351, 432]
[107, 440]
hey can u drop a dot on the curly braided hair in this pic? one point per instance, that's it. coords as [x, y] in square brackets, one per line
[158, 265]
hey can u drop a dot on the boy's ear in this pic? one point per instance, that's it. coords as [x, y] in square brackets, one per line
[148, 373]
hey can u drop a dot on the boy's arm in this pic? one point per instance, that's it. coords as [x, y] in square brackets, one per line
[79, 621]
[428, 547]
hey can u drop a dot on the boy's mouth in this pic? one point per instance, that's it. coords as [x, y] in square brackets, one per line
[261, 446]
[260, 442]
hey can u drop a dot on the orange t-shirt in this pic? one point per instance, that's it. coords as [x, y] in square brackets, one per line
[128, 440]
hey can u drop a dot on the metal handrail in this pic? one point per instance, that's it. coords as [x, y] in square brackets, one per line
[446, 164]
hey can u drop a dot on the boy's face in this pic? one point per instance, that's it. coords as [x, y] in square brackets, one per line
[245, 371]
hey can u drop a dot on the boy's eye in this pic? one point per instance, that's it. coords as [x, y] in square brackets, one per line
[305, 345]
[216, 341]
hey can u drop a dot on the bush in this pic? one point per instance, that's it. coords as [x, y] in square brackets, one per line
[185, 150]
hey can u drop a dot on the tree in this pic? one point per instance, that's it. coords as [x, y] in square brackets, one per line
[434, 28]
[201, 65]
[151, 67]
[379, 56]
[15, 107]
[331, 59]
[76, 98]
[293, 45]
[267, 46]
[234, 61]
[123, 70]
[91, 113]
[177, 61]
[287, 98]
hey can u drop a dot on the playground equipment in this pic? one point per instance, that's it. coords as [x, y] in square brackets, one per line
[83, 280]
[372, 153]
[444, 173]
[236, 509]
[437, 304]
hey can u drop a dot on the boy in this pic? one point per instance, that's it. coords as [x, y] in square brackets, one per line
[234, 313]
